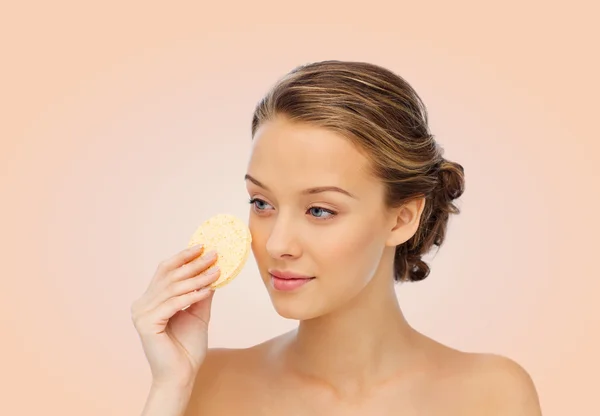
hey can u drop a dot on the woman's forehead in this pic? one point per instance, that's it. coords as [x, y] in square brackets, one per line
[301, 146]
[288, 153]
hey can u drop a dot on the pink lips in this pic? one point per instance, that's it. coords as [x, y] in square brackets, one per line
[288, 281]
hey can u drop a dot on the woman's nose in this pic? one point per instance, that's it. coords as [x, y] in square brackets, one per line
[282, 241]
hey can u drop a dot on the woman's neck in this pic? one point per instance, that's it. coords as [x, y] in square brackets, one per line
[361, 345]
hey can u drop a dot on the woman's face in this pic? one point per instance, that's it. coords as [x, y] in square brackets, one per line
[300, 224]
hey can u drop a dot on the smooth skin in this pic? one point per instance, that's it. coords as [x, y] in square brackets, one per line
[172, 318]
[353, 352]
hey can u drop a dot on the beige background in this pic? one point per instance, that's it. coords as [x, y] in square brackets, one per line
[123, 126]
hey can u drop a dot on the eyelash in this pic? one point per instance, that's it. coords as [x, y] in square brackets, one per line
[332, 213]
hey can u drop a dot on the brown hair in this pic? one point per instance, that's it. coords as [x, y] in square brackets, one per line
[382, 114]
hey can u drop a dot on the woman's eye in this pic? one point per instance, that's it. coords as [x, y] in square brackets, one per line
[259, 204]
[316, 212]
[321, 212]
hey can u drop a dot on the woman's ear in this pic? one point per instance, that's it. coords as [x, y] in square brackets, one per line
[405, 221]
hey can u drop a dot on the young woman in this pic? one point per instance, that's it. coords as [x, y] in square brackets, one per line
[348, 190]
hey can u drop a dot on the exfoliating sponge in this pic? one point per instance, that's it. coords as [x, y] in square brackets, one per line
[230, 237]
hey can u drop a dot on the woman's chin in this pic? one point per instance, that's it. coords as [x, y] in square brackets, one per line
[297, 303]
[296, 308]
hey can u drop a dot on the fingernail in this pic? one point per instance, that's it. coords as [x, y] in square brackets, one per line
[196, 247]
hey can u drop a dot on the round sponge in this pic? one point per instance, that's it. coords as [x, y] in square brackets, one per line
[230, 237]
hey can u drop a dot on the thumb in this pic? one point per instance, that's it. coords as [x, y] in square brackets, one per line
[201, 309]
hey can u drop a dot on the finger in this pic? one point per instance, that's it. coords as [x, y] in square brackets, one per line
[184, 286]
[186, 271]
[178, 260]
[155, 321]
[192, 268]
[167, 309]
[201, 310]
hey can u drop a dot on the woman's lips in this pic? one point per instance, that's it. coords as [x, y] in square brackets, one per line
[289, 284]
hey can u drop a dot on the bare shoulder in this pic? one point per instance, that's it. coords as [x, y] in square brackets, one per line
[222, 370]
[499, 386]
[229, 379]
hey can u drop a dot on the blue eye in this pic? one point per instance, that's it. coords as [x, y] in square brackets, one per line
[319, 212]
[316, 212]
[257, 202]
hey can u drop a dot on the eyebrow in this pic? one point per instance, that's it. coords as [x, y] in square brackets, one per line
[315, 190]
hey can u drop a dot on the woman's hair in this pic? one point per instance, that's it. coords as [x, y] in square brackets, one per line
[380, 113]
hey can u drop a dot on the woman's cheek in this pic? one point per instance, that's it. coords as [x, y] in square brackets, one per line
[362, 249]
[346, 247]
[259, 237]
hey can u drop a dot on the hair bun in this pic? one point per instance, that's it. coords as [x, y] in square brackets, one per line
[452, 179]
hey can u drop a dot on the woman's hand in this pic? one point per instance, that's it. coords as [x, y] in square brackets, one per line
[174, 340]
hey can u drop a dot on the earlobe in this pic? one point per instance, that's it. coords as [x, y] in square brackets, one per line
[407, 218]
